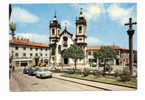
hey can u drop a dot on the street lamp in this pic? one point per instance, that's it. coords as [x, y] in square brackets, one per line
[12, 28]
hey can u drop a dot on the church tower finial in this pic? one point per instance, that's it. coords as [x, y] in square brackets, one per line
[81, 11]
[55, 15]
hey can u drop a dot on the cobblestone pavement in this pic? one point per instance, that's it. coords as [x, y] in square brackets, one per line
[23, 82]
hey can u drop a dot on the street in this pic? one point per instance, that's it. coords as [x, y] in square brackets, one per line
[20, 82]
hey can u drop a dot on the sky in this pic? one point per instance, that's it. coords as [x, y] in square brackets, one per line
[105, 21]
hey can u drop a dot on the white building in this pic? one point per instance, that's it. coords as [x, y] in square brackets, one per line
[27, 53]
[60, 41]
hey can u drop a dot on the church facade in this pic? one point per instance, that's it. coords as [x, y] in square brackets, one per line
[60, 41]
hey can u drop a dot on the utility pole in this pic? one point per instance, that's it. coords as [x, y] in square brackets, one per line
[130, 32]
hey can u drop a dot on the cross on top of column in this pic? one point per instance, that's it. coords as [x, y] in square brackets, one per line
[130, 24]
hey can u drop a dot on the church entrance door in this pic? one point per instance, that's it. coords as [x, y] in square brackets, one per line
[65, 60]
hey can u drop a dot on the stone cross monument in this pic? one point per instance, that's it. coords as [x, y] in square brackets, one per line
[130, 32]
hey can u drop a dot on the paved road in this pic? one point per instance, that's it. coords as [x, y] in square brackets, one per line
[24, 82]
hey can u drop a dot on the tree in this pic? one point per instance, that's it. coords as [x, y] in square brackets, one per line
[105, 53]
[74, 52]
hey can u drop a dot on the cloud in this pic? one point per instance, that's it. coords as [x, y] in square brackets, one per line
[91, 11]
[65, 23]
[93, 40]
[120, 14]
[23, 16]
[42, 38]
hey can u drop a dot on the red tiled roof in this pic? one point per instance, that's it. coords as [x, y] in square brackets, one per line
[28, 43]
[111, 46]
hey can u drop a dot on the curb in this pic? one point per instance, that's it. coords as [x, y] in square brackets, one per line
[83, 84]
[101, 82]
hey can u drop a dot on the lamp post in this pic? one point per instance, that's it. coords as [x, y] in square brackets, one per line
[130, 32]
[12, 28]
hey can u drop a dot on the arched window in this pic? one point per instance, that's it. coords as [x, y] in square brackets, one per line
[24, 54]
[58, 31]
[80, 29]
[36, 54]
[16, 54]
[53, 31]
[65, 41]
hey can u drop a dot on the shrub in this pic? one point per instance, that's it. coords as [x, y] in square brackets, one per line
[97, 73]
[125, 75]
[108, 68]
[86, 72]
[78, 71]
[117, 73]
[71, 71]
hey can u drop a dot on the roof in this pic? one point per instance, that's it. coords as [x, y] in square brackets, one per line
[28, 43]
[111, 46]
[65, 31]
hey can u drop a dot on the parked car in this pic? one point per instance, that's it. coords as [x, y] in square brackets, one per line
[25, 70]
[32, 71]
[94, 64]
[43, 73]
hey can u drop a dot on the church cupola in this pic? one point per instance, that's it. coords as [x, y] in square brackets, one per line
[81, 26]
[54, 30]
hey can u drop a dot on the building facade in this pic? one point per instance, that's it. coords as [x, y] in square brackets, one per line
[26, 53]
[60, 41]
[122, 57]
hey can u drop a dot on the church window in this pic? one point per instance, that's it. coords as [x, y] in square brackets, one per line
[31, 54]
[53, 31]
[16, 48]
[80, 39]
[36, 54]
[80, 29]
[65, 41]
[59, 48]
[89, 53]
[36, 49]
[24, 48]
[52, 58]
[24, 54]
[53, 51]
[58, 31]
[31, 49]
[53, 40]
[41, 54]
[16, 54]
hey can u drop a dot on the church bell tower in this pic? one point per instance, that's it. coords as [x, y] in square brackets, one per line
[81, 38]
[54, 32]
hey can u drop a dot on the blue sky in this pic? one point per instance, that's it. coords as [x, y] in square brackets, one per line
[105, 21]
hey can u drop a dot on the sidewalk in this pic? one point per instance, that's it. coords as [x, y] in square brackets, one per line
[94, 84]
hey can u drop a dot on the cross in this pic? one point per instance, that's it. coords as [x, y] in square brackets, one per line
[65, 24]
[130, 33]
[130, 23]
[81, 11]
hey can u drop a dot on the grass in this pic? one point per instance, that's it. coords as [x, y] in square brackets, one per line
[107, 79]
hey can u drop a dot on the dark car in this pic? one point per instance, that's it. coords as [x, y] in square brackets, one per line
[32, 71]
[25, 70]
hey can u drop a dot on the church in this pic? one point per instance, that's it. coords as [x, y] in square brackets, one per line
[60, 41]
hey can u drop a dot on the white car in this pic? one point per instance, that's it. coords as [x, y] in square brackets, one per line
[43, 73]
